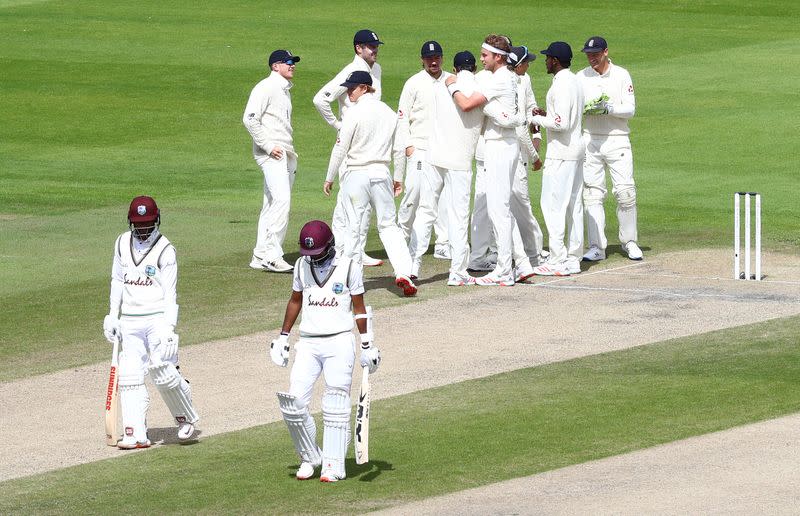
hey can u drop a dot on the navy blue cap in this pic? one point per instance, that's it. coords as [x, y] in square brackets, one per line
[366, 37]
[595, 44]
[282, 56]
[560, 50]
[356, 78]
[430, 49]
[519, 55]
[464, 59]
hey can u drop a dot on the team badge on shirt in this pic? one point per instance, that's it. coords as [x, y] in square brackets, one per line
[150, 271]
[338, 288]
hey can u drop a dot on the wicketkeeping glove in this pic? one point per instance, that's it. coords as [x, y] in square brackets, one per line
[111, 328]
[598, 106]
[370, 357]
[168, 345]
[279, 351]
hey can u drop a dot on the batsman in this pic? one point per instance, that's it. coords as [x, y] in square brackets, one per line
[329, 290]
[144, 312]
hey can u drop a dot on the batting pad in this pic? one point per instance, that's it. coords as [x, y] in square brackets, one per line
[336, 418]
[175, 392]
[302, 428]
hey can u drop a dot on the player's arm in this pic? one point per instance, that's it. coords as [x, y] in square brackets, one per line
[399, 161]
[111, 321]
[168, 340]
[407, 97]
[625, 105]
[293, 308]
[253, 111]
[359, 309]
[325, 96]
[343, 141]
[558, 117]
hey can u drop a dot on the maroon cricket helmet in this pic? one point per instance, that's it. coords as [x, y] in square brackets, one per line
[143, 209]
[316, 237]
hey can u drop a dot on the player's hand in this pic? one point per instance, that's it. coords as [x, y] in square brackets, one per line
[276, 153]
[279, 351]
[409, 151]
[327, 187]
[537, 165]
[538, 111]
[370, 357]
[168, 345]
[111, 328]
[398, 188]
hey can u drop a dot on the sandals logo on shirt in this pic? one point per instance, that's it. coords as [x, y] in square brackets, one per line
[150, 271]
[338, 288]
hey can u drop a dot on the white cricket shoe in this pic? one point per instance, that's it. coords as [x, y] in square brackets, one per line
[185, 431]
[256, 263]
[408, 287]
[492, 281]
[523, 274]
[594, 254]
[331, 476]
[305, 471]
[442, 251]
[573, 266]
[278, 265]
[460, 280]
[634, 253]
[129, 442]
[369, 261]
[552, 269]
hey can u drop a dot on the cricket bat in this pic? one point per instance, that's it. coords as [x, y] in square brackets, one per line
[112, 402]
[362, 420]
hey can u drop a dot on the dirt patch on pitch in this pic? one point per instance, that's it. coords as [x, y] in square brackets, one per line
[473, 333]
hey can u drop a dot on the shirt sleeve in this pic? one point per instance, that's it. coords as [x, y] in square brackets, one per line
[355, 279]
[625, 106]
[327, 95]
[407, 97]
[115, 301]
[297, 285]
[558, 117]
[168, 263]
[255, 109]
[339, 151]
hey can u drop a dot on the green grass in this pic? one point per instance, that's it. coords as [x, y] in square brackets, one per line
[459, 436]
[103, 101]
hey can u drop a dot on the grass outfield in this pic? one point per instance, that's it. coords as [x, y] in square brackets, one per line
[102, 102]
[506, 426]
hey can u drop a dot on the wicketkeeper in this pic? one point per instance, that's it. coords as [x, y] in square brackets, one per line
[144, 311]
[329, 290]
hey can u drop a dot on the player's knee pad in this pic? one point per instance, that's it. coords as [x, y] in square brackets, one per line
[175, 391]
[302, 428]
[593, 196]
[336, 418]
[626, 198]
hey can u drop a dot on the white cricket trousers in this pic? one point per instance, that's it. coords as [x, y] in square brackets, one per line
[414, 184]
[527, 235]
[360, 190]
[449, 191]
[562, 207]
[480, 236]
[500, 160]
[339, 225]
[332, 356]
[274, 218]
[615, 153]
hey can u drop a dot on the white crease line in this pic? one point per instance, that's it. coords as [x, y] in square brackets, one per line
[584, 274]
[715, 278]
[665, 293]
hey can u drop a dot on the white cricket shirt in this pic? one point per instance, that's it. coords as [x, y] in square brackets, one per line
[617, 84]
[334, 91]
[454, 133]
[414, 108]
[148, 274]
[563, 120]
[268, 116]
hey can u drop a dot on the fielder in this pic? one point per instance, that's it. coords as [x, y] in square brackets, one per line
[329, 290]
[268, 119]
[363, 151]
[365, 45]
[562, 177]
[453, 138]
[608, 91]
[144, 312]
[414, 121]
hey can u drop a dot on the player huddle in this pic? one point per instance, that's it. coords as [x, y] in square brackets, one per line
[425, 152]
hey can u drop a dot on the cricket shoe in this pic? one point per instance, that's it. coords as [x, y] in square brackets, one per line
[331, 476]
[573, 266]
[278, 265]
[523, 274]
[634, 253]
[185, 431]
[129, 442]
[405, 283]
[492, 281]
[482, 265]
[369, 261]
[305, 471]
[441, 251]
[552, 269]
[594, 254]
[460, 280]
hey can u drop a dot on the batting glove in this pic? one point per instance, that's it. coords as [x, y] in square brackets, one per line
[168, 346]
[279, 351]
[370, 357]
[111, 328]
